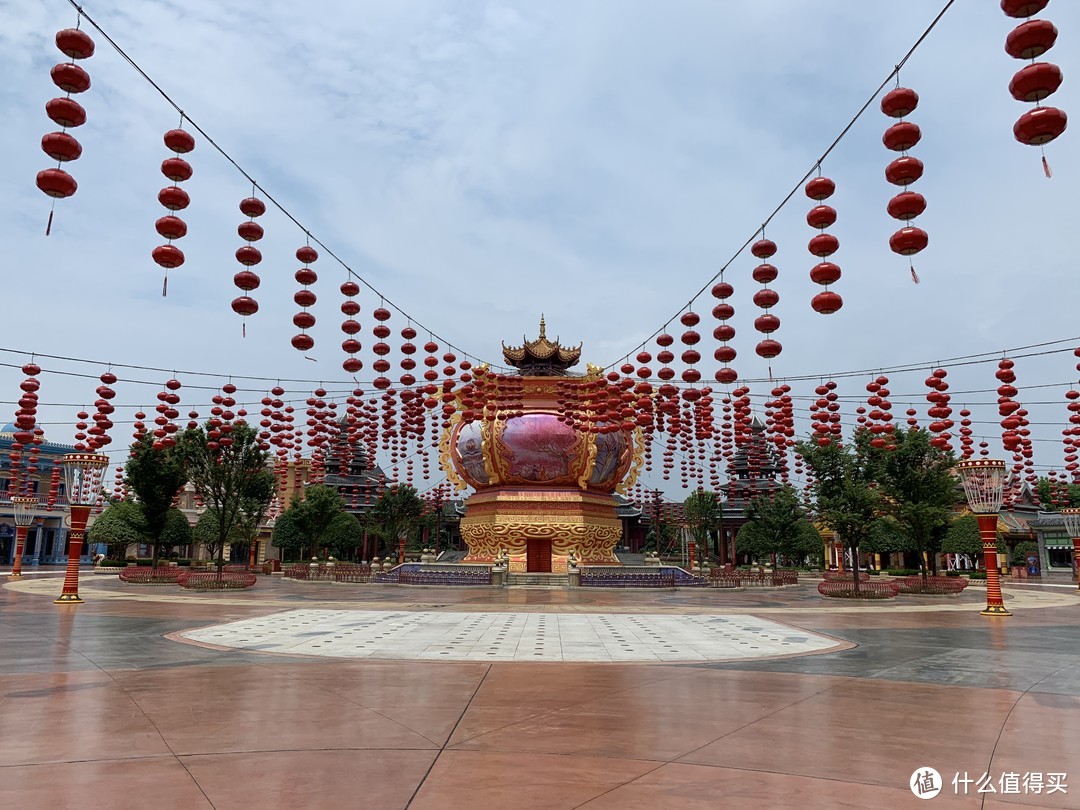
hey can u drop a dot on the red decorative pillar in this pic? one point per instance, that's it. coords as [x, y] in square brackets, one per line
[70, 594]
[253, 555]
[995, 605]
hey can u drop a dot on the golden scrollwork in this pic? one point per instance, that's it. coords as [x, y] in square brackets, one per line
[445, 459]
[631, 477]
[589, 542]
[590, 461]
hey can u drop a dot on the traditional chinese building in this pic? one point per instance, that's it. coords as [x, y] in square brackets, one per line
[46, 538]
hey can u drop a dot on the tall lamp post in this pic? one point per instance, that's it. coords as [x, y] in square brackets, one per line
[1072, 526]
[984, 485]
[23, 506]
[83, 474]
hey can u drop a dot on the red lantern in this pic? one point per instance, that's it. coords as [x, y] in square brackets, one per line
[906, 205]
[1031, 39]
[1039, 126]
[908, 241]
[61, 147]
[56, 183]
[1035, 82]
[901, 137]
[904, 171]
[899, 102]
[826, 302]
[1023, 8]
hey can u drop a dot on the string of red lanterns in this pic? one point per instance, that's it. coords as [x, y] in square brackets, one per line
[823, 245]
[249, 256]
[903, 171]
[766, 298]
[1036, 81]
[305, 297]
[68, 114]
[174, 198]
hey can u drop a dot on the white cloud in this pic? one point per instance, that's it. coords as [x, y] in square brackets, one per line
[481, 162]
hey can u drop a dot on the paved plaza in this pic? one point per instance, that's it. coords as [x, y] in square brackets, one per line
[321, 695]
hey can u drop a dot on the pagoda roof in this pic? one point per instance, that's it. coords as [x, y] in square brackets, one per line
[542, 356]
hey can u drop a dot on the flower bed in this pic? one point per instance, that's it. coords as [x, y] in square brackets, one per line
[931, 585]
[145, 575]
[225, 581]
[845, 589]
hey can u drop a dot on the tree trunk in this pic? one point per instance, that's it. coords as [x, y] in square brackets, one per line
[855, 567]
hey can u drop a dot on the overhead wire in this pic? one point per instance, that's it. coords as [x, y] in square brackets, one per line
[815, 167]
[256, 185]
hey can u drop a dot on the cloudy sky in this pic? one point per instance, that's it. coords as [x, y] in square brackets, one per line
[481, 163]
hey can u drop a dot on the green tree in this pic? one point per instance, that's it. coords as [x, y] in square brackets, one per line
[177, 531]
[887, 536]
[920, 491]
[208, 532]
[317, 521]
[227, 470]
[778, 524]
[121, 525]
[845, 494]
[258, 496]
[395, 515]
[155, 475]
[703, 515]
[962, 537]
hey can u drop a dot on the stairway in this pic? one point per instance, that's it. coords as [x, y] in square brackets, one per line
[536, 580]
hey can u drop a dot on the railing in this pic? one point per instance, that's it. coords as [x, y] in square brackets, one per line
[719, 578]
[613, 577]
[145, 575]
[225, 581]
[448, 575]
[352, 572]
[931, 585]
[845, 589]
[846, 575]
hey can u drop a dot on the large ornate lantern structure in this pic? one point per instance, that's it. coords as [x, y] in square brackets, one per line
[1072, 526]
[23, 506]
[984, 486]
[545, 451]
[83, 476]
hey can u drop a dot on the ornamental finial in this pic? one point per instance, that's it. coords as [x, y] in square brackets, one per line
[543, 329]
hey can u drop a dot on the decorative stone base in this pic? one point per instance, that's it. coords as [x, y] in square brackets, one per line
[573, 521]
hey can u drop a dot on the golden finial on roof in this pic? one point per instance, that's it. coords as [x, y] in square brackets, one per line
[543, 329]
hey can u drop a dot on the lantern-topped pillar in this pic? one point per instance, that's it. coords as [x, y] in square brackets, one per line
[83, 475]
[983, 480]
[23, 507]
[1072, 526]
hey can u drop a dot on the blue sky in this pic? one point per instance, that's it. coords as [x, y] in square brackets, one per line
[482, 162]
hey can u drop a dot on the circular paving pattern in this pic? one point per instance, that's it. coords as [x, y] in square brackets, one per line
[512, 636]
